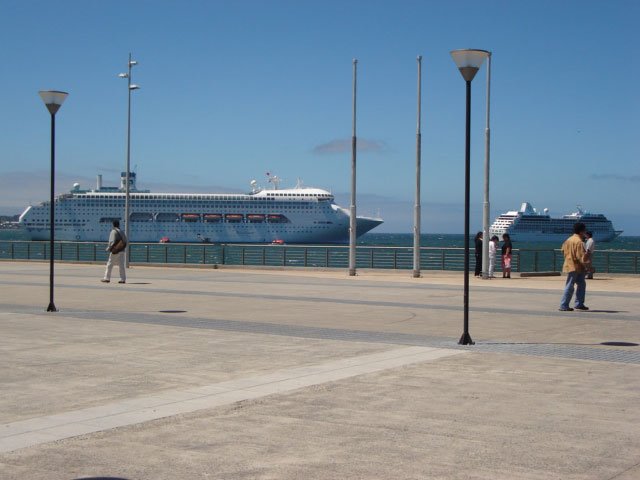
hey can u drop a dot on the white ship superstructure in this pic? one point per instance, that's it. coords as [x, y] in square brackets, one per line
[529, 225]
[294, 215]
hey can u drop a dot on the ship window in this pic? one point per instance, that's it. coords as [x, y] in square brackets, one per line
[167, 217]
[141, 217]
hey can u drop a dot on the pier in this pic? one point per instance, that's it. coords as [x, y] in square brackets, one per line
[234, 372]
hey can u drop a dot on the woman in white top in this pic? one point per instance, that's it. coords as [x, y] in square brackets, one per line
[493, 247]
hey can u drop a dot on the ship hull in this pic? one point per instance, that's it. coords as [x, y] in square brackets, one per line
[528, 225]
[535, 237]
[339, 234]
[297, 217]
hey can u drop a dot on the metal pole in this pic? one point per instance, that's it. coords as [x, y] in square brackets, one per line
[486, 205]
[126, 198]
[52, 306]
[465, 339]
[352, 210]
[416, 214]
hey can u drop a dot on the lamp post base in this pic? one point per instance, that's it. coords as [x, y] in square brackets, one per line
[465, 339]
[51, 308]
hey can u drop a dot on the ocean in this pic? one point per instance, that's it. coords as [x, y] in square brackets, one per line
[457, 240]
[441, 240]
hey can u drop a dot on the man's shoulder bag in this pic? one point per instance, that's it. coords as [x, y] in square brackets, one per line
[119, 245]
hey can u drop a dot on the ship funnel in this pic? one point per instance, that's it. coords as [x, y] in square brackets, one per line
[99, 183]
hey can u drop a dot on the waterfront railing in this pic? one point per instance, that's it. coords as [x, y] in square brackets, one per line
[310, 256]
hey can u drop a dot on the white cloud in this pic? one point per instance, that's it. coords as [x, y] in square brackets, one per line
[344, 146]
[21, 189]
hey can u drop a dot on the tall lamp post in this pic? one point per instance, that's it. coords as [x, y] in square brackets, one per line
[469, 62]
[416, 212]
[352, 209]
[53, 100]
[486, 208]
[130, 88]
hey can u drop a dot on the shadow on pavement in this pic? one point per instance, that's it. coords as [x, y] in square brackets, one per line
[608, 343]
[100, 478]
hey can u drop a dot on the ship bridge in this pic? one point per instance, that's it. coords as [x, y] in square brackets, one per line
[297, 193]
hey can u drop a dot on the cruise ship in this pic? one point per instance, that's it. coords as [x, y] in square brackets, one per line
[264, 215]
[529, 225]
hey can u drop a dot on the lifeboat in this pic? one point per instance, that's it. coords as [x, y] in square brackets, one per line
[234, 217]
[277, 218]
[255, 218]
[190, 217]
[212, 217]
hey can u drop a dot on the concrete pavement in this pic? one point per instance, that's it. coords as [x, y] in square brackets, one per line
[283, 374]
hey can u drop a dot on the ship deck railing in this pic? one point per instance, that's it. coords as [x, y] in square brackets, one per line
[308, 256]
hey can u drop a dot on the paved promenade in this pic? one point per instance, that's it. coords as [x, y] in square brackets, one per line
[201, 373]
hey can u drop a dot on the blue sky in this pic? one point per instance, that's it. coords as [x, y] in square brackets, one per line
[233, 89]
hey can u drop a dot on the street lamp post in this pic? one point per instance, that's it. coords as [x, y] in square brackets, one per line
[416, 212]
[53, 100]
[469, 62]
[352, 209]
[130, 88]
[486, 207]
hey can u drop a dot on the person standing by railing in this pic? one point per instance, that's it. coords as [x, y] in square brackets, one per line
[493, 248]
[574, 267]
[478, 246]
[590, 247]
[507, 251]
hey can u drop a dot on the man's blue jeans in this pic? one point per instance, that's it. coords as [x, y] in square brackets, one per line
[577, 279]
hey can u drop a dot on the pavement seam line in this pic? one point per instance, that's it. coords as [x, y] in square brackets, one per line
[38, 430]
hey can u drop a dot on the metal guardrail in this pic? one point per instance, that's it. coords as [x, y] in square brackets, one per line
[322, 256]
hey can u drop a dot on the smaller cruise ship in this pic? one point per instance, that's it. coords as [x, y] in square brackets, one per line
[529, 225]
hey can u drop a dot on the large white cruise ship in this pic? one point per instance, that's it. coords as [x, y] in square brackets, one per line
[294, 215]
[529, 225]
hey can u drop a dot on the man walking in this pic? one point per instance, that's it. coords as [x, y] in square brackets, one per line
[574, 267]
[117, 250]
